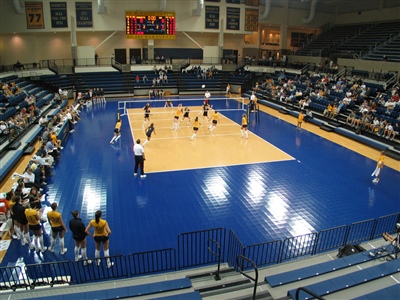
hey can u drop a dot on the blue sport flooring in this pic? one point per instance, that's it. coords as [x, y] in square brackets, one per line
[325, 186]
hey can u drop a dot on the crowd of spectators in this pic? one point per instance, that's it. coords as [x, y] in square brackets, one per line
[368, 107]
[202, 73]
[28, 192]
[25, 111]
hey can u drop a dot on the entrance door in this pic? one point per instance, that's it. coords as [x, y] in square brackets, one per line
[120, 55]
[135, 56]
[230, 56]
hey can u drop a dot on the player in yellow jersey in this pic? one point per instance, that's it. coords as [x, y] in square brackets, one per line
[101, 236]
[300, 120]
[175, 124]
[34, 215]
[379, 166]
[57, 228]
[214, 121]
[243, 129]
[196, 126]
[117, 131]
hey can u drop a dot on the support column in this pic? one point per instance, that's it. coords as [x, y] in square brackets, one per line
[150, 49]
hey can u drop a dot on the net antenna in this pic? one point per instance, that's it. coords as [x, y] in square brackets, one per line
[122, 108]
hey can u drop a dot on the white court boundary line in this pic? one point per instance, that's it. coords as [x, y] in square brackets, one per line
[216, 135]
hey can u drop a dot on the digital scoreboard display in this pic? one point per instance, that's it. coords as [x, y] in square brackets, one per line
[150, 25]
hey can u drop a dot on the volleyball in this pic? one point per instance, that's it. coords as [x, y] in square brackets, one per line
[203, 86]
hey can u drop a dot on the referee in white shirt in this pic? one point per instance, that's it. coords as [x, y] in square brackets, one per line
[139, 158]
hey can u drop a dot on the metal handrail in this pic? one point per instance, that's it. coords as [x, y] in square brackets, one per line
[308, 292]
[218, 255]
[255, 279]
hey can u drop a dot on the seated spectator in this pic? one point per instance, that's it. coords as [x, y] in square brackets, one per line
[29, 179]
[328, 111]
[144, 79]
[395, 131]
[350, 118]
[375, 125]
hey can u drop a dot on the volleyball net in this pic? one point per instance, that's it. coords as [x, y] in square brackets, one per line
[195, 104]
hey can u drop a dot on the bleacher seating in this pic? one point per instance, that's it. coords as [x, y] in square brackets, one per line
[149, 289]
[318, 269]
[388, 293]
[350, 280]
[372, 41]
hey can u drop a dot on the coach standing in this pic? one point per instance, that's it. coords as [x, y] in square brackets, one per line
[139, 158]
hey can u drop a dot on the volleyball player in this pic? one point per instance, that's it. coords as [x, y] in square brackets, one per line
[34, 215]
[206, 108]
[149, 131]
[117, 131]
[175, 124]
[300, 120]
[101, 237]
[186, 115]
[19, 217]
[146, 109]
[196, 125]
[168, 102]
[57, 228]
[243, 129]
[379, 166]
[214, 123]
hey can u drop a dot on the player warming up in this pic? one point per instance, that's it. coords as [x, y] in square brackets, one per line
[175, 124]
[117, 131]
[300, 120]
[196, 125]
[243, 129]
[214, 123]
[149, 131]
[379, 166]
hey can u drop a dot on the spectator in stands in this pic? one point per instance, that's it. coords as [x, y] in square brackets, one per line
[144, 78]
[395, 131]
[137, 79]
[52, 150]
[328, 111]
[375, 125]
[388, 132]
[40, 177]
[350, 118]
[382, 126]
[29, 179]
[101, 236]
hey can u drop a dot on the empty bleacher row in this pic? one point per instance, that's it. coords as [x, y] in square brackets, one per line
[373, 41]
[140, 82]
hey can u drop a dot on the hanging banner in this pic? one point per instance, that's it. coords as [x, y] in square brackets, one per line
[34, 15]
[84, 15]
[58, 11]
[212, 17]
[251, 20]
[232, 18]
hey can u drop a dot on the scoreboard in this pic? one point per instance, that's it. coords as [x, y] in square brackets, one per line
[150, 25]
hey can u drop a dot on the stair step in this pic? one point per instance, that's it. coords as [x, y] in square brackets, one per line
[326, 128]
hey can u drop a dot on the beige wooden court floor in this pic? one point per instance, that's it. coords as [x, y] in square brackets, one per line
[170, 150]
